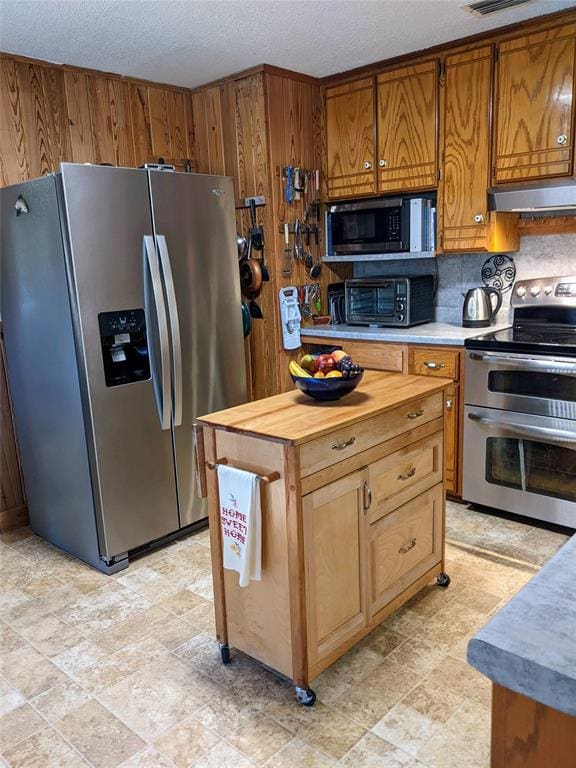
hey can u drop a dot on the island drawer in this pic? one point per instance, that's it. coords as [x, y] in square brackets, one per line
[343, 443]
[399, 477]
[404, 545]
[428, 361]
[378, 357]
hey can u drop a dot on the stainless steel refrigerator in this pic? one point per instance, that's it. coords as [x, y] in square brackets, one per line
[122, 323]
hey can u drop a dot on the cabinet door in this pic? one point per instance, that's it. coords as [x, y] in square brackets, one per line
[451, 442]
[335, 565]
[407, 128]
[466, 149]
[533, 106]
[350, 139]
[403, 545]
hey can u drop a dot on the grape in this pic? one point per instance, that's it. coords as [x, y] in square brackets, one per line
[348, 368]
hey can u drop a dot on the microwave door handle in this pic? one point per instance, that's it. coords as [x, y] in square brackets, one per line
[174, 329]
[162, 387]
[525, 430]
[527, 364]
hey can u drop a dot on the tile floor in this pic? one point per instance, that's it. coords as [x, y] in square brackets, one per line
[123, 671]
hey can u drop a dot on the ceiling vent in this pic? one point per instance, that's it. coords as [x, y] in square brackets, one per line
[486, 7]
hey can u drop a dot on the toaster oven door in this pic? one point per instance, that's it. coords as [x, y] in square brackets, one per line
[371, 303]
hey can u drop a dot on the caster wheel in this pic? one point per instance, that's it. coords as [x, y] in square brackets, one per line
[305, 696]
[225, 654]
[443, 580]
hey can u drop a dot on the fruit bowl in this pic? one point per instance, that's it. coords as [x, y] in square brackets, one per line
[326, 389]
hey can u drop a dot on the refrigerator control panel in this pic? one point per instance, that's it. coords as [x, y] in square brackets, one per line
[124, 346]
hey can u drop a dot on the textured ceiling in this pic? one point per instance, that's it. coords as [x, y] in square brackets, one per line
[190, 42]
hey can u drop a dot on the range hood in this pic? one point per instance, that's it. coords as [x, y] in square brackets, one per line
[537, 197]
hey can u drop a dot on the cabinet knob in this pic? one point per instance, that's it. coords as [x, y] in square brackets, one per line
[479, 218]
[345, 444]
[407, 547]
[382, 163]
[407, 475]
[367, 165]
[449, 404]
[562, 139]
[434, 366]
[415, 414]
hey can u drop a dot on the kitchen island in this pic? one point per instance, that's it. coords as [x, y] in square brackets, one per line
[528, 650]
[352, 517]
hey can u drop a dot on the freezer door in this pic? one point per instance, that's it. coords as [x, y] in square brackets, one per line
[121, 326]
[194, 222]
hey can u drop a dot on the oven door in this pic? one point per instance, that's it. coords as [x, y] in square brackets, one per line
[373, 226]
[370, 302]
[538, 385]
[521, 463]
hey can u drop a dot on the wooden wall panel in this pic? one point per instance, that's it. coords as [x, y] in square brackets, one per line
[56, 116]
[294, 118]
[78, 118]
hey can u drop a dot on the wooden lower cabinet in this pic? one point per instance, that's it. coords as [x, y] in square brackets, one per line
[347, 537]
[335, 563]
[403, 545]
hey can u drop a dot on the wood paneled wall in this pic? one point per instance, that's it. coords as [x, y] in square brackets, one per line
[51, 114]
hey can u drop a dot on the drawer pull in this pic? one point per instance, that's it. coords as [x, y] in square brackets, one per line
[449, 404]
[345, 444]
[407, 547]
[432, 366]
[414, 414]
[367, 497]
[411, 472]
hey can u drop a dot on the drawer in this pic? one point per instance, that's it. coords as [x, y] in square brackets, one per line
[399, 477]
[378, 357]
[403, 545]
[435, 362]
[348, 441]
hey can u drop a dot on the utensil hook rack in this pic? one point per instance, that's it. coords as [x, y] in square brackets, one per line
[266, 479]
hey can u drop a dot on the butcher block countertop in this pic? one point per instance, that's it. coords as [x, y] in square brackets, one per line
[295, 418]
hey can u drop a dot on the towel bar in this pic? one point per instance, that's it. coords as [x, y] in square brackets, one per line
[266, 479]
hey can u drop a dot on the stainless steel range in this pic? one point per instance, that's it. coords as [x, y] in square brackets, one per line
[520, 407]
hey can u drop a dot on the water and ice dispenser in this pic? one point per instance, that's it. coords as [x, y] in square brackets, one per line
[124, 346]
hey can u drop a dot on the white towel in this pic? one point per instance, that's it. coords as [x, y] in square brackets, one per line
[240, 522]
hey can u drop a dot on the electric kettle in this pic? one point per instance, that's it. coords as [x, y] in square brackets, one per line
[481, 306]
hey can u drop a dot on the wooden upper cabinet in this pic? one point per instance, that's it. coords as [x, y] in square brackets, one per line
[466, 224]
[533, 136]
[407, 155]
[350, 139]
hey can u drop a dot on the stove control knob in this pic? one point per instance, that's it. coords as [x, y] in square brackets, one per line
[535, 290]
[548, 290]
[521, 291]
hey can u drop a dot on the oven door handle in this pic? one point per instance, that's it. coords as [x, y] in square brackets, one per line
[525, 430]
[527, 364]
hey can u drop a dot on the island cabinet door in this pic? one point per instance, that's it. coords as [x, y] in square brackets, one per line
[403, 545]
[334, 547]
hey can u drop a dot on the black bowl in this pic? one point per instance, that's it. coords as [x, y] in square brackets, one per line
[327, 389]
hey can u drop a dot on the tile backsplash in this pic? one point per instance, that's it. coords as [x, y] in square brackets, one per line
[539, 256]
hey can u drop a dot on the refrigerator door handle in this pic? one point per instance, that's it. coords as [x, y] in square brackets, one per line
[152, 266]
[174, 329]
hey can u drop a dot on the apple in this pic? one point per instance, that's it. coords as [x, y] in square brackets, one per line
[324, 364]
[307, 362]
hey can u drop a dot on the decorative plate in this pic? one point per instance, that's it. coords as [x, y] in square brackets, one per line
[499, 272]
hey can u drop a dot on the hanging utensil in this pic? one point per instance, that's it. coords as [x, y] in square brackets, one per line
[316, 269]
[308, 261]
[242, 245]
[287, 269]
[298, 240]
[255, 311]
[288, 186]
[246, 319]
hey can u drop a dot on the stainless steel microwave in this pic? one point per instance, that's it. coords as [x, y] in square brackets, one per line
[400, 301]
[380, 226]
